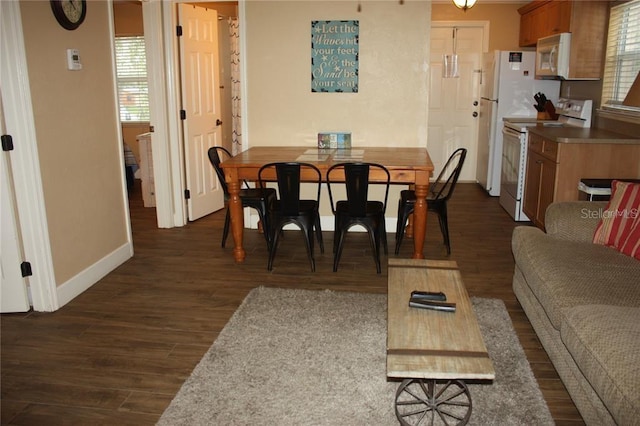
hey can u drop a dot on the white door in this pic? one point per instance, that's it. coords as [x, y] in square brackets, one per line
[13, 287]
[201, 104]
[454, 102]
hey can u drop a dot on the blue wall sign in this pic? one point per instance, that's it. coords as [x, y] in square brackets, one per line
[334, 56]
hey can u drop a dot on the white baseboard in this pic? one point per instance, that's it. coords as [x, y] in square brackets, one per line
[85, 279]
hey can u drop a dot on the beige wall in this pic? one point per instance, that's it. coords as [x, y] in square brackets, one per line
[228, 9]
[77, 136]
[391, 105]
[127, 18]
[504, 21]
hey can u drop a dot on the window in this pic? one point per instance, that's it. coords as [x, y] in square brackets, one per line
[131, 70]
[622, 62]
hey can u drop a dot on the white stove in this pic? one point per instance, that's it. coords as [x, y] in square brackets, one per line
[571, 113]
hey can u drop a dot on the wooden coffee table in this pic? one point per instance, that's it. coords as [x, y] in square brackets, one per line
[433, 351]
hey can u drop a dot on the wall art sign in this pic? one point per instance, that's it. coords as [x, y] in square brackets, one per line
[334, 56]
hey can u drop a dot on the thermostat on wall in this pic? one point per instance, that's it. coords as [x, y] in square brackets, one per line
[73, 60]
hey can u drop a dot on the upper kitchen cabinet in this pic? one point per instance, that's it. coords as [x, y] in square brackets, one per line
[542, 18]
[585, 20]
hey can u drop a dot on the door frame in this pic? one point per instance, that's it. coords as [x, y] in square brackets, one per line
[168, 162]
[468, 24]
[160, 19]
[20, 123]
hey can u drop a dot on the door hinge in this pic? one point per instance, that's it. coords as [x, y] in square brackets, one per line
[187, 194]
[7, 142]
[179, 30]
[25, 268]
[183, 114]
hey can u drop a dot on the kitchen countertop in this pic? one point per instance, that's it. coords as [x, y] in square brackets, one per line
[582, 135]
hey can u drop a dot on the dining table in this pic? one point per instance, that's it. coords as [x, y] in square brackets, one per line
[407, 165]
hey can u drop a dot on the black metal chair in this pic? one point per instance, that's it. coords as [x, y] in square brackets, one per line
[256, 198]
[289, 208]
[439, 193]
[357, 209]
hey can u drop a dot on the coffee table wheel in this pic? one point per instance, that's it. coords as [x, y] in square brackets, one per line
[433, 402]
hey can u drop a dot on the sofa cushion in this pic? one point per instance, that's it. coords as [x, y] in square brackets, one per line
[619, 216]
[574, 220]
[563, 274]
[605, 344]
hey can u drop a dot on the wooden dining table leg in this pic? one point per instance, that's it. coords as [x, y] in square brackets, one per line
[236, 214]
[420, 220]
[408, 230]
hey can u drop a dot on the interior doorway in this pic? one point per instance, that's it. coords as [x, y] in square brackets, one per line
[229, 56]
[453, 102]
[172, 211]
[200, 106]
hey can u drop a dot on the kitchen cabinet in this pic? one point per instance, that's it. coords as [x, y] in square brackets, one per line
[554, 169]
[540, 178]
[530, 27]
[558, 17]
[585, 20]
[543, 18]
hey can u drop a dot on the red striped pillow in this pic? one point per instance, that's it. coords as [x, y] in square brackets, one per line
[631, 246]
[618, 219]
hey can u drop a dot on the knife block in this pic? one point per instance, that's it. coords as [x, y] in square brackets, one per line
[549, 112]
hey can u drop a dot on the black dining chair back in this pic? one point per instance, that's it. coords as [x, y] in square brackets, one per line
[215, 159]
[357, 186]
[288, 175]
[255, 198]
[440, 191]
[289, 208]
[358, 209]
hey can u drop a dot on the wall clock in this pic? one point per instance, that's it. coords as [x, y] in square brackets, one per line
[69, 13]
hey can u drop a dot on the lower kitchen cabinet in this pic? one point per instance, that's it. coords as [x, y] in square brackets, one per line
[554, 170]
[540, 181]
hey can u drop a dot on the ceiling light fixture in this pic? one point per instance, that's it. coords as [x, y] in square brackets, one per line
[464, 4]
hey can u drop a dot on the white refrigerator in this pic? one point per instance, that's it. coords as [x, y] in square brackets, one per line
[507, 90]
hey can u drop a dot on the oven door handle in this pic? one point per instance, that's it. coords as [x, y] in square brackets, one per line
[510, 132]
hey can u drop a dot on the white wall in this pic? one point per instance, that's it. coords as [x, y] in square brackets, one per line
[391, 105]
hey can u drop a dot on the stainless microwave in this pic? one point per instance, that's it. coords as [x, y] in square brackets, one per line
[552, 56]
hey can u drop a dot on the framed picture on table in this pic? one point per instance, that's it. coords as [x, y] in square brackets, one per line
[334, 140]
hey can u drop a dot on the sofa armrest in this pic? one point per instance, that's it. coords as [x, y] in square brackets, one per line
[574, 220]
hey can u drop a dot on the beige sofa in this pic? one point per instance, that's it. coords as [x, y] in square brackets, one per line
[583, 301]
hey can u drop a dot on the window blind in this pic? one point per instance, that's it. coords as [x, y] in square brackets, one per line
[131, 76]
[622, 61]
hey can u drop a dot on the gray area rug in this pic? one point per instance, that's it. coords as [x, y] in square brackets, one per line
[301, 357]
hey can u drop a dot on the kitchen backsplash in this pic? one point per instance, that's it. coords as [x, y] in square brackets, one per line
[588, 89]
[593, 90]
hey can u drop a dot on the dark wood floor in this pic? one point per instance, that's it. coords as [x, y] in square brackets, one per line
[119, 352]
